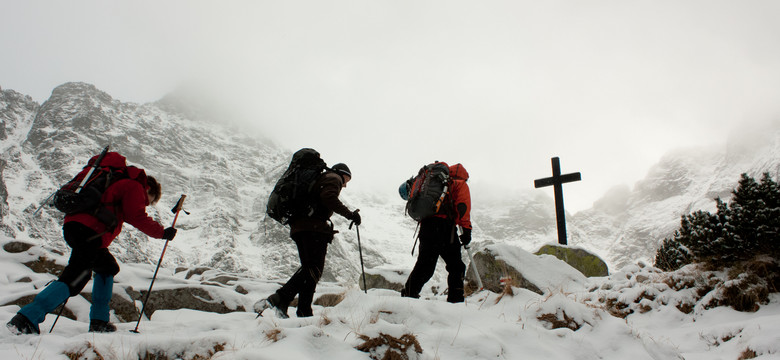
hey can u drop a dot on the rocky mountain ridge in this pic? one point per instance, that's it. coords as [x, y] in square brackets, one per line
[228, 175]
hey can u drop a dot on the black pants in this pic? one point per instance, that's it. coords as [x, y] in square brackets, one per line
[86, 256]
[312, 248]
[437, 238]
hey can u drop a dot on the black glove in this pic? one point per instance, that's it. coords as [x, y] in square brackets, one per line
[356, 217]
[169, 233]
[465, 238]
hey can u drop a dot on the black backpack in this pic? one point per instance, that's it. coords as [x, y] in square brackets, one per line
[84, 196]
[292, 195]
[428, 191]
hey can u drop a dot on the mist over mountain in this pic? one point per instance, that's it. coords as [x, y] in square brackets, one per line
[228, 173]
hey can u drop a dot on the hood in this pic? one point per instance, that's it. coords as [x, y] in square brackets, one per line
[458, 172]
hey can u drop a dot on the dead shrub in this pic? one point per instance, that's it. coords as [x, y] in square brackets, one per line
[158, 354]
[82, 353]
[396, 348]
[556, 323]
[617, 308]
[506, 292]
[747, 354]
[685, 308]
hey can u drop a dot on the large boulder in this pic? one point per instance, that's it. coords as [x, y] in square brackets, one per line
[381, 278]
[191, 297]
[587, 263]
[496, 274]
[500, 265]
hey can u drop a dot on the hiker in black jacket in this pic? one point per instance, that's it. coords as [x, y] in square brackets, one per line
[312, 235]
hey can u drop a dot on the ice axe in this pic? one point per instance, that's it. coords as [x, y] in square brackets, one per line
[176, 209]
[360, 251]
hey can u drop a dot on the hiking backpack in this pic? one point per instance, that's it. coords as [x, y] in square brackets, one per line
[83, 194]
[292, 195]
[428, 190]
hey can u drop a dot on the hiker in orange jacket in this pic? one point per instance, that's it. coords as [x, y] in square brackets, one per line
[438, 237]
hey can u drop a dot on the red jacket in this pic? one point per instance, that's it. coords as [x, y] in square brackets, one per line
[461, 197]
[127, 199]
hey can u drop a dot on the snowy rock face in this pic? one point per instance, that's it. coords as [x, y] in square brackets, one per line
[228, 174]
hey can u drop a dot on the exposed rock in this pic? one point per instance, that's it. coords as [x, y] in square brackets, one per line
[497, 274]
[222, 279]
[184, 298]
[45, 265]
[329, 300]
[17, 247]
[588, 264]
[379, 281]
[197, 271]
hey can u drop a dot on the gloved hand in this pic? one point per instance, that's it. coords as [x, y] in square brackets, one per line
[356, 217]
[169, 233]
[465, 238]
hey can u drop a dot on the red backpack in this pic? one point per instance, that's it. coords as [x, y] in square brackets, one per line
[83, 194]
[428, 191]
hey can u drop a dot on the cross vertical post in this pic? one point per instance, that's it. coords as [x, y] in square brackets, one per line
[557, 181]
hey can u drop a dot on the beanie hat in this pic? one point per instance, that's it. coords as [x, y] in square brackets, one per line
[342, 169]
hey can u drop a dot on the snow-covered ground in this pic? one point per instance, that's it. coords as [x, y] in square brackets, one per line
[488, 326]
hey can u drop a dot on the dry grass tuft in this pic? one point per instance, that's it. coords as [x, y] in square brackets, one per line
[397, 348]
[82, 353]
[506, 292]
[556, 323]
[273, 335]
[747, 354]
[162, 355]
[325, 320]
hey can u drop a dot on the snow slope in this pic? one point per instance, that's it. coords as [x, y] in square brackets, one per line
[487, 326]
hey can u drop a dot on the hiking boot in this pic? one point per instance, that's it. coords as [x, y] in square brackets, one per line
[274, 301]
[21, 325]
[101, 326]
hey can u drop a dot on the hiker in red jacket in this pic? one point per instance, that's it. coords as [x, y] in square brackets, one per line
[438, 237]
[89, 239]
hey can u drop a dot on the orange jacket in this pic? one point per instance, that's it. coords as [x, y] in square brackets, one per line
[460, 196]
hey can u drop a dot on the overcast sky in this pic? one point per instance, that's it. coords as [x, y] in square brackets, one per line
[609, 86]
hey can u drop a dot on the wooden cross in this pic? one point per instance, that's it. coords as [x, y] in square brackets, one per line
[557, 181]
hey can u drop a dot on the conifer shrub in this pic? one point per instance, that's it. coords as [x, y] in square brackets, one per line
[746, 227]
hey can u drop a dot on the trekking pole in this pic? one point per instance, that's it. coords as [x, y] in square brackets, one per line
[59, 313]
[44, 203]
[360, 251]
[175, 210]
[474, 266]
